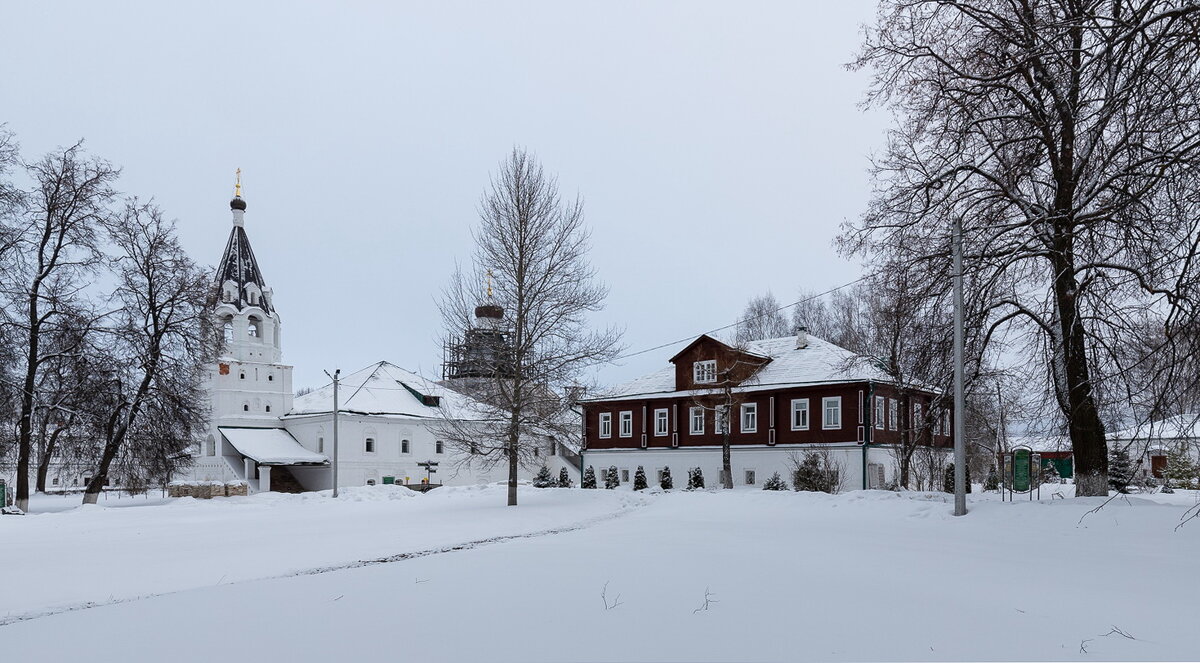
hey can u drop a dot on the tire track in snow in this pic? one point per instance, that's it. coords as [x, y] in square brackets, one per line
[625, 510]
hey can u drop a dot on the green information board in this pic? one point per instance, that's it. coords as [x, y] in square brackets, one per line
[1021, 470]
[3, 494]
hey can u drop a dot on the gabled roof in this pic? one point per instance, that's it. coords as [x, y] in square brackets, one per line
[271, 446]
[387, 389]
[705, 338]
[1179, 427]
[820, 362]
[238, 265]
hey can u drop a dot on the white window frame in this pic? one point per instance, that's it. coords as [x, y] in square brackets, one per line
[801, 405]
[893, 414]
[948, 429]
[880, 413]
[369, 444]
[693, 429]
[626, 423]
[704, 372]
[662, 422]
[750, 412]
[836, 401]
[721, 419]
[605, 425]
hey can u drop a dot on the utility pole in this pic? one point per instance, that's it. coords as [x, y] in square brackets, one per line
[960, 447]
[334, 461]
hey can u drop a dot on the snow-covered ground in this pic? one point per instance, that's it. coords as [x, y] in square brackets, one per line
[790, 576]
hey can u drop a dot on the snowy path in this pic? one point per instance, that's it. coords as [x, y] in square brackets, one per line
[862, 576]
[93, 556]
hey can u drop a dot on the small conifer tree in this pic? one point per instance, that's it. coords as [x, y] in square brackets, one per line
[776, 482]
[564, 478]
[1049, 471]
[695, 479]
[666, 483]
[543, 478]
[948, 478]
[589, 478]
[993, 479]
[812, 473]
[639, 479]
[1120, 469]
[1181, 471]
[611, 479]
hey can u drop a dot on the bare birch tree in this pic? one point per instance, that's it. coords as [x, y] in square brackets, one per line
[1065, 136]
[762, 318]
[531, 246]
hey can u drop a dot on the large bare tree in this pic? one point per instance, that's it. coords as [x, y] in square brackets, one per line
[160, 342]
[762, 318]
[54, 247]
[1065, 136]
[531, 247]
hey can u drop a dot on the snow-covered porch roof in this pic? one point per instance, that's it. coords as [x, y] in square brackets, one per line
[271, 446]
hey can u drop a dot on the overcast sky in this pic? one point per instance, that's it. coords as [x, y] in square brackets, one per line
[718, 147]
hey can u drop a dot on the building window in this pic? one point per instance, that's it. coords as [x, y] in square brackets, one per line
[917, 423]
[946, 422]
[268, 407]
[661, 427]
[270, 378]
[369, 445]
[627, 424]
[245, 407]
[893, 413]
[721, 419]
[880, 404]
[55, 482]
[749, 477]
[320, 445]
[370, 482]
[438, 447]
[704, 372]
[241, 376]
[800, 414]
[697, 419]
[749, 417]
[833, 412]
[403, 446]
[625, 476]
[606, 424]
[227, 331]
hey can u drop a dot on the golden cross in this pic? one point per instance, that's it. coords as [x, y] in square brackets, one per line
[237, 190]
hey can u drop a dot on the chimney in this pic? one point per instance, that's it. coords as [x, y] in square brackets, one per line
[801, 337]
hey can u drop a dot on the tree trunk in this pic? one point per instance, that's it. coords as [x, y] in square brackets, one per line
[726, 461]
[1088, 445]
[96, 485]
[44, 464]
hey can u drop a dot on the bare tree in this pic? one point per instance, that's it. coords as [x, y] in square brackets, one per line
[1065, 137]
[54, 246]
[761, 319]
[531, 249]
[160, 342]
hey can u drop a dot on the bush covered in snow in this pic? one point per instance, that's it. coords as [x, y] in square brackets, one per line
[666, 483]
[639, 479]
[695, 479]
[1049, 472]
[589, 478]
[776, 482]
[816, 472]
[1181, 472]
[543, 478]
[564, 478]
[611, 478]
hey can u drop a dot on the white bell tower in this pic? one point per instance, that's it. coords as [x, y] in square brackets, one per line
[250, 387]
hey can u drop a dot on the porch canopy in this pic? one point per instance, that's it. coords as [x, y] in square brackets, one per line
[271, 446]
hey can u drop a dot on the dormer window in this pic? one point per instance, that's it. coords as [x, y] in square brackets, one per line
[704, 372]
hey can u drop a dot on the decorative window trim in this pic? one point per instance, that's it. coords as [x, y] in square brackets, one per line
[893, 414]
[692, 428]
[704, 372]
[825, 410]
[796, 402]
[626, 418]
[662, 422]
[880, 413]
[749, 411]
[605, 425]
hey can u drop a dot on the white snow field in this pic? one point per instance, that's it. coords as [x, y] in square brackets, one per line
[866, 575]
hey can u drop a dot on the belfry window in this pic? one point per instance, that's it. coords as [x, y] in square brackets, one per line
[254, 328]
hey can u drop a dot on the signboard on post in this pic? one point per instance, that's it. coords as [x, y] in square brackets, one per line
[1022, 472]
